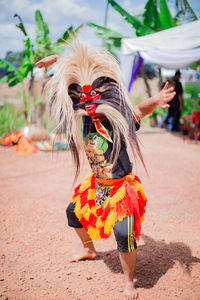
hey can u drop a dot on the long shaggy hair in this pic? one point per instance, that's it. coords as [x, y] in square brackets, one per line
[86, 65]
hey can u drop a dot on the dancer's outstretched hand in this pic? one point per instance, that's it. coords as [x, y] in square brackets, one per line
[47, 61]
[165, 96]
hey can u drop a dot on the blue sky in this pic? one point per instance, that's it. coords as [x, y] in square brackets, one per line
[60, 14]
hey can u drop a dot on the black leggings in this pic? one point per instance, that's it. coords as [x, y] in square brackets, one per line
[123, 230]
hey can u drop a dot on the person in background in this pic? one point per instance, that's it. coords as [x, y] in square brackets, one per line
[176, 105]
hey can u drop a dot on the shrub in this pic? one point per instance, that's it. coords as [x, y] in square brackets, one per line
[10, 119]
[191, 98]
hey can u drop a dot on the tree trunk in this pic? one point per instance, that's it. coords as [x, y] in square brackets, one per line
[24, 101]
[160, 82]
[148, 89]
[153, 121]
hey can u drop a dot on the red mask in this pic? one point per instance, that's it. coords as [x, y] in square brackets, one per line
[89, 95]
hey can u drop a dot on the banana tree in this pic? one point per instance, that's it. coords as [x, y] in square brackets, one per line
[17, 75]
[44, 47]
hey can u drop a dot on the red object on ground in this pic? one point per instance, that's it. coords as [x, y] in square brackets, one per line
[19, 143]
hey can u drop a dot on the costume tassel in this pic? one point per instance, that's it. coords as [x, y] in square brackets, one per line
[110, 221]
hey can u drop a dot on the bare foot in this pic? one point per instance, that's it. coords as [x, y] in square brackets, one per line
[130, 292]
[83, 254]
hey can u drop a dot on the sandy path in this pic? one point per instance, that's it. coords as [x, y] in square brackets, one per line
[36, 243]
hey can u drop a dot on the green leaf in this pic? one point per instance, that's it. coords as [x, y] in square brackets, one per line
[14, 81]
[105, 32]
[27, 65]
[141, 29]
[69, 34]
[113, 37]
[28, 57]
[185, 11]
[24, 70]
[66, 35]
[42, 31]
[7, 77]
[21, 25]
[79, 28]
[9, 67]
[166, 19]
[4, 79]
[37, 101]
[151, 15]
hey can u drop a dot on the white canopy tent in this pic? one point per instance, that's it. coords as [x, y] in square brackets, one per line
[172, 48]
[182, 37]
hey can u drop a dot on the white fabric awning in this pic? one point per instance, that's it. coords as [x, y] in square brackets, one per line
[171, 59]
[176, 47]
[182, 37]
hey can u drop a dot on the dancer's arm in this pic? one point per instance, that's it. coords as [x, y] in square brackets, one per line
[47, 61]
[146, 107]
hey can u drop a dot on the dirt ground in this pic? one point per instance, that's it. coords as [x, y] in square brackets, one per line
[36, 243]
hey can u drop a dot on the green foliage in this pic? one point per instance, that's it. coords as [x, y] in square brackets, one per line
[192, 88]
[44, 44]
[13, 81]
[10, 119]
[166, 19]
[9, 67]
[196, 65]
[42, 31]
[44, 47]
[153, 20]
[158, 112]
[28, 57]
[112, 37]
[192, 101]
[15, 57]
[37, 101]
[18, 74]
[185, 11]
[69, 34]
[21, 25]
[151, 15]
[141, 28]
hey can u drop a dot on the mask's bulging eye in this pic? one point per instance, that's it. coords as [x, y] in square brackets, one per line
[93, 93]
[83, 96]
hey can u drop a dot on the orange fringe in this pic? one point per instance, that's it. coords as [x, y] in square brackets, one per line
[126, 198]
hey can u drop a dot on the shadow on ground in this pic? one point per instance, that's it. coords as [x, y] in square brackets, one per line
[154, 259]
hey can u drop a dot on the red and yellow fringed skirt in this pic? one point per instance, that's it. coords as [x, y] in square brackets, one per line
[100, 203]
